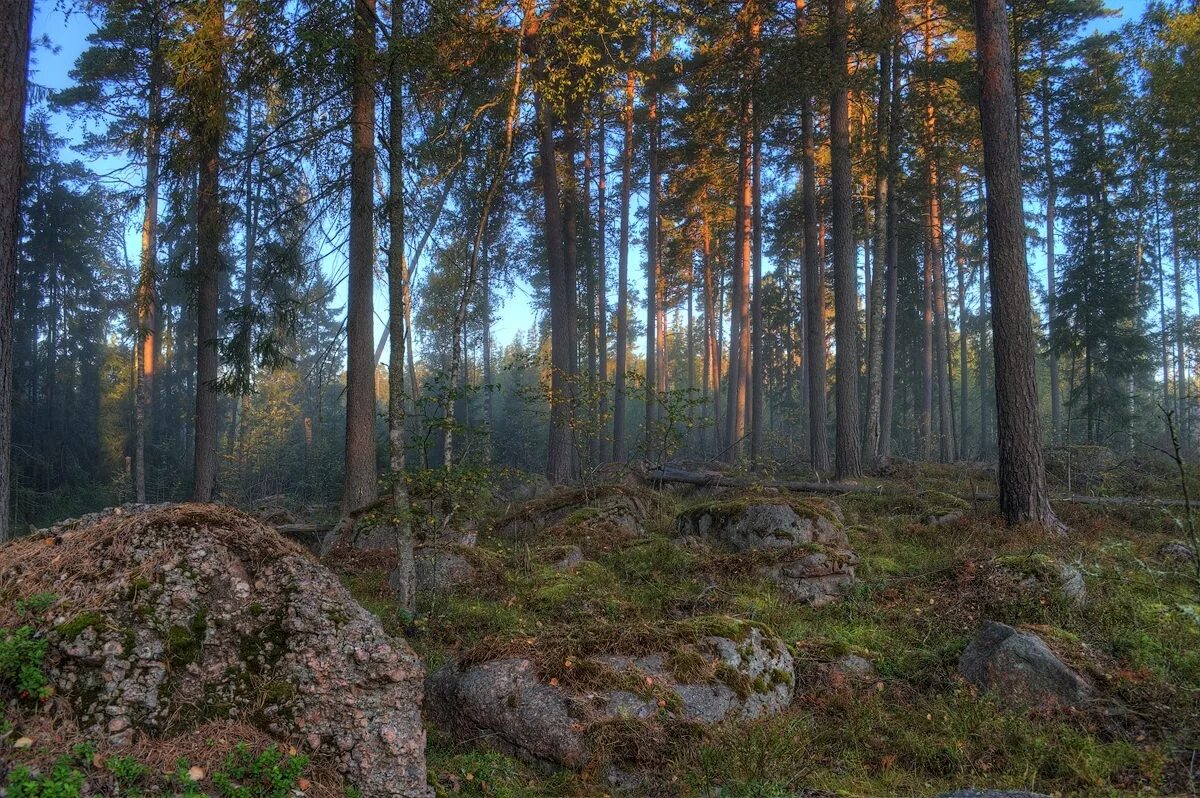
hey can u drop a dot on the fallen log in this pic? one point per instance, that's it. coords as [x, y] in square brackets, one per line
[715, 479]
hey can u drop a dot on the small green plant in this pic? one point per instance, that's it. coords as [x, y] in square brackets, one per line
[36, 603]
[128, 772]
[83, 753]
[21, 655]
[270, 774]
[182, 783]
[63, 781]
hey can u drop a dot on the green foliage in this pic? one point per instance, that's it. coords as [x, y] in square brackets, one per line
[38, 602]
[127, 771]
[63, 781]
[22, 653]
[269, 774]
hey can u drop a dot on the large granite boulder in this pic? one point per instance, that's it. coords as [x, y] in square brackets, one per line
[162, 618]
[1021, 668]
[809, 554]
[511, 705]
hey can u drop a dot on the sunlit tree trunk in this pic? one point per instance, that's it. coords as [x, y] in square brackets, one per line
[147, 289]
[893, 251]
[653, 311]
[602, 449]
[1022, 481]
[756, 313]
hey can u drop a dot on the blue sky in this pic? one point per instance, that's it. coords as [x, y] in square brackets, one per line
[60, 38]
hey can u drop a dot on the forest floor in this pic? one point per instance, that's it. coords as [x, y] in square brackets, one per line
[912, 727]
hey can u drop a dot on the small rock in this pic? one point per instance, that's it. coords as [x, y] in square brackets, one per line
[442, 569]
[1020, 667]
[570, 560]
[1176, 551]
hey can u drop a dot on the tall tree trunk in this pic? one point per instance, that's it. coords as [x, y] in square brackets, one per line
[1022, 481]
[893, 253]
[653, 311]
[756, 311]
[403, 578]
[871, 437]
[1051, 280]
[15, 19]
[739, 325]
[845, 281]
[147, 289]
[601, 286]
[618, 450]
[960, 268]
[561, 462]
[712, 358]
[360, 483]
[208, 251]
[251, 230]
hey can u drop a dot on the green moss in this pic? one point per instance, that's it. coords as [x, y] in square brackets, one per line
[184, 643]
[74, 627]
[735, 680]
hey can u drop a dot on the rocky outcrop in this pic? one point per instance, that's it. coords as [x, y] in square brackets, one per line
[441, 568]
[169, 616]
[811, 558]
[1021, 668]
[511, 705]
[1042, 574]
[606, 512]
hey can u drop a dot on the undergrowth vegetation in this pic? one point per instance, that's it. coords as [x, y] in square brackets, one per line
[912, 726]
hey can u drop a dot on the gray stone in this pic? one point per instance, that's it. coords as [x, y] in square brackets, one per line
[757, 525]
[823, 566]
[1021, 668]
[1176, 551]
[973, 793]
[505, 705]
[572, 557]
[192, 607]
[505, 700]
[441, 569]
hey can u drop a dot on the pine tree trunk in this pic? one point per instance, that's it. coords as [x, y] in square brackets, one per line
[602, 448]
[845, 281]
[561, 462]
[739, 325]
[756, 312]
[712, 360]
[360, 482]
[147, 289]
[208, 256]
[618, 450]
[652, 268]
[871, 437]
[1022, 481]
[15, 20]
[1051, 278]
[893, 253]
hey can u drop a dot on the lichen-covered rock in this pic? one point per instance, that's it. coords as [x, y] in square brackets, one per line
[1038, 572]
[169, 616]
[1021, 668]
[442, 568]
[769, 523]
[1176, 551]
[609, 512]
[509, 705]
[812, 559]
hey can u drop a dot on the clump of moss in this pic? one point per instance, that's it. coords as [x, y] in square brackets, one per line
[183, 643]
[688, 665]
[71, 629]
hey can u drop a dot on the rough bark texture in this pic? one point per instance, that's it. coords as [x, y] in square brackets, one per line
[15, 18]
[653, 295]
[618, 450]
[1022, 479]
[359, 487]
[893, 252]
[147, 290]
[871, 435]
[845, 281]
[403, 578]
[208, 254]
[561, 462]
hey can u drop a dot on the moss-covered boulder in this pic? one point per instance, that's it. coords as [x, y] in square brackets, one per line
[1020, 668]
[810, 556]
[610, 513]
[513, 705]
[160, 619]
